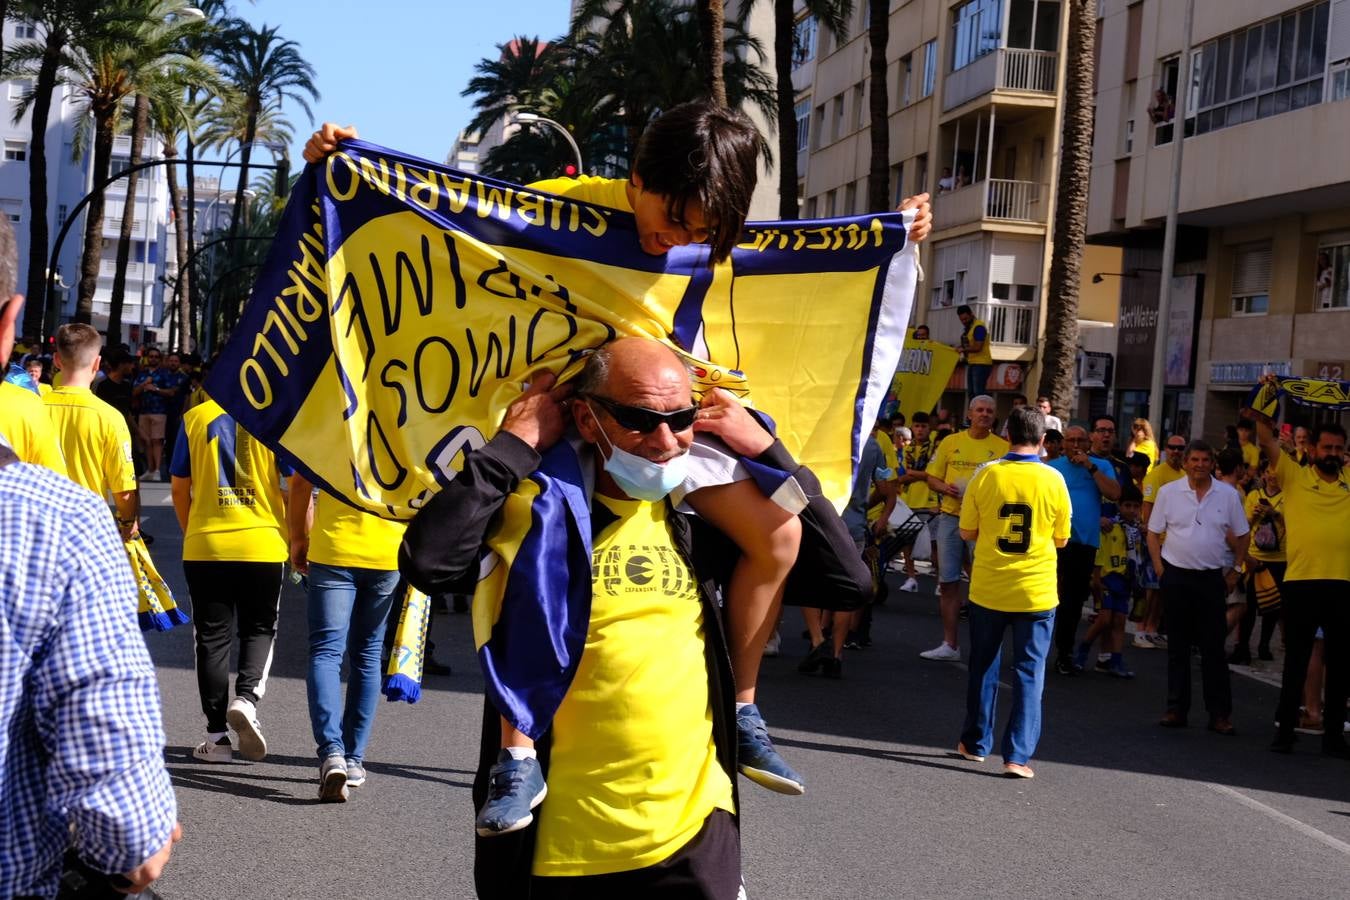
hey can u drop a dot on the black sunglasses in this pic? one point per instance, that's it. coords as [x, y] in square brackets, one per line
[645, 421]
[1177, 447]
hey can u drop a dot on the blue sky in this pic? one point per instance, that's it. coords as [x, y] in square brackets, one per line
[395, 68]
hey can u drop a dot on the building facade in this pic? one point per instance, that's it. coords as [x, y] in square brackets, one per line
[69, 179]
[1263, 261]
[974, 116]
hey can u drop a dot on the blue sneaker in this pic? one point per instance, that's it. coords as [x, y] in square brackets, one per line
[756, 758]
[515, 787]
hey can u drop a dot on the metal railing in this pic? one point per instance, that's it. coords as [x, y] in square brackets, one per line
[1016, 200]
[1027, 70]
[1010, 323]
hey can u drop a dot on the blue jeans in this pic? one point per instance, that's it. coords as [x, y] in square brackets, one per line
[977, 379]
[1031, 643]
[347, 612]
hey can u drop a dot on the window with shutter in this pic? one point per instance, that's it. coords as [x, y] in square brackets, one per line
[1251, 280]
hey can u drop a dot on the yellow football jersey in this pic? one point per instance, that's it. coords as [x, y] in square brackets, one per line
[1020, 507]
[237, 513]
[346, 537]
[94, 440]
[957, 458]
[1317, 521]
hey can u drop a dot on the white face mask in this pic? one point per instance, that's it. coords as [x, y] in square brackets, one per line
[641, 478]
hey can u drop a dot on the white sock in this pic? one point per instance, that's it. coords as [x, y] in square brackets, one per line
[740, 706]
[215, 736]
[522, 752]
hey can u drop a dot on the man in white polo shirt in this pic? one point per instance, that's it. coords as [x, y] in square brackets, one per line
[1206, 532]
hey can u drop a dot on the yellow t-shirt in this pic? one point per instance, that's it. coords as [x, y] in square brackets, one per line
[957, 458]
[27, 428]
[1317, 522]
[1113, 552]
[634, 770]
[94, 440]
[917, 494]
[610, 192]
[892, 462]
[346, 537]
[1251, 455]
[237, 514]
[44, 389]
[1020, 510]
[1157, 477]
[985, 355]
[1253, 501]
[1149, 449]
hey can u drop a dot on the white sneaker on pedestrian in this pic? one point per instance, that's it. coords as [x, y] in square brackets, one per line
[214, 751]
[910, 586]
[943, 652]
[356, 773]
[333, 780]
[243, 718]
[774, 646]
[1141, 641]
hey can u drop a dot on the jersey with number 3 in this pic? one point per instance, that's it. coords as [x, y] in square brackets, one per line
[1020, 508]
[237, 513]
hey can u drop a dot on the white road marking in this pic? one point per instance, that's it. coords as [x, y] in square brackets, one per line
[1302, 827]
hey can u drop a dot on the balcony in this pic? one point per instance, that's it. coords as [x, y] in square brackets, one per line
[108, 269]
[994, 199]
[1012, 325]
[1005, 69]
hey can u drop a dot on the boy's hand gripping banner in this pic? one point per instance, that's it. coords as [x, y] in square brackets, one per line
[403, 304]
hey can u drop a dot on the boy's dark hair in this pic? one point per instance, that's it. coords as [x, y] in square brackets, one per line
[705, 152]
[1228, 460]
[1054, 434]
[1130, 494]
[1025, 426]
[1140, 459]
[919, 418]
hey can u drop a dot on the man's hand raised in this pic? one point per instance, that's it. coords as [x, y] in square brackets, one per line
[923, 220]
[539, 416]
[325, 140]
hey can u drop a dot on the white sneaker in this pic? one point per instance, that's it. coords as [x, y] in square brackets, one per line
[242, 716]
[774, 645]
[943, 652]
[1141, 640]
[910, 586]
[218, 751]
[356, 773]
[333, 780]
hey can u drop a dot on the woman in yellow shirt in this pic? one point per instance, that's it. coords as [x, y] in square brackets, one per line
[1141, 441]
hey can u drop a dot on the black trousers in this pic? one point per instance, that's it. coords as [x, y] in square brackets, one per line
[232, 596]
[1074, 573]
[1194, 602]
[706, 868]
[1309, 605]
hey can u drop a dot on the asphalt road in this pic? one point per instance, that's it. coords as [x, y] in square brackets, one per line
[1119, 807]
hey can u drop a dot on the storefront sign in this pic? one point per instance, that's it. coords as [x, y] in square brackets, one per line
[1247, 373]
[1094, 369]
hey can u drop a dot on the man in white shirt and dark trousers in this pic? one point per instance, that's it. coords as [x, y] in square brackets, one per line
[1206, 532]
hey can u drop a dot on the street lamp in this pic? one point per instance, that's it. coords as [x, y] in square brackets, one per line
[529, 118]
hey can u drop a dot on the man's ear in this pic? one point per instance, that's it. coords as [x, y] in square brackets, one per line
[587, 426]
[8, 316]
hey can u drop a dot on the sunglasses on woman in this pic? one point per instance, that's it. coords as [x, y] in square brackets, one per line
[645, 421]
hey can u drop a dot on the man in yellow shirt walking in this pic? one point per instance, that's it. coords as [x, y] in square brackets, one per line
[350, 559]
[227, 495]
[93, 436]
[1017, 512]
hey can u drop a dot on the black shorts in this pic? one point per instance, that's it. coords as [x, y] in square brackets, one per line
[706, 868]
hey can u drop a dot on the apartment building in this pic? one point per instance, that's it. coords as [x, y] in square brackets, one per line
[974, 119]
[69, 178]
[1263, 264]
[464, 155]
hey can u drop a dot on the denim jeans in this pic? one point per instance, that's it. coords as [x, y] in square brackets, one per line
[1031, 634]
[347, 612]
[977, 380]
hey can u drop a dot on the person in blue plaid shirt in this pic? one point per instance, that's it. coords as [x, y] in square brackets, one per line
[78, 696]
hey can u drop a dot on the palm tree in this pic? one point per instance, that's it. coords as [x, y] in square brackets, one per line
[1071, 200]
[711, 24]
[518, 78]
[265, 69]
[649, 57]
[833, 16]
[41, 59]
[878, 98]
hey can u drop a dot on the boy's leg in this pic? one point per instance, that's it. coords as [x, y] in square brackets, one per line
[768, 537]
[515, 786]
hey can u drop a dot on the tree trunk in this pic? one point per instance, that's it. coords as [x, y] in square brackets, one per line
[181, 308]
[783, 20]
[4, 17]
[139, 121]
[711, 21]
[37, 187]
[878, 98]
[240, 210]
[189, 291]
[91, 256]
[1060, 356]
